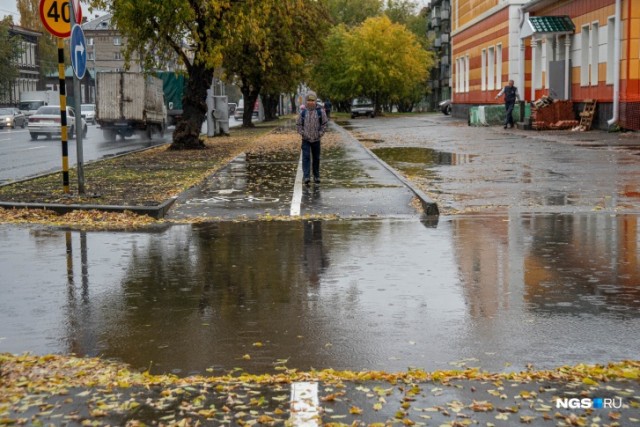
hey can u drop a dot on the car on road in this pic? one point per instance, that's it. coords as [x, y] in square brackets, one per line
[46, 121]
[445, 106]
[12, 118]
[237, 114]
[362, 107]
[88, 113]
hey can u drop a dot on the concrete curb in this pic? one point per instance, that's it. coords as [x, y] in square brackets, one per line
[157, 212]
[430, 207]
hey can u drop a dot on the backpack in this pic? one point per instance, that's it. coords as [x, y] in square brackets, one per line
[318, 111]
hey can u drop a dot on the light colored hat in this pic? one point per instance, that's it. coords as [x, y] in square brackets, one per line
[311, 96]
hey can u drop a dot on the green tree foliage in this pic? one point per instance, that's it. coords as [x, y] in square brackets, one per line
[353, 12]
[9, 52]
[404, 12]
[268, 48]
[191, 31]
[47, 43]
[378, 59]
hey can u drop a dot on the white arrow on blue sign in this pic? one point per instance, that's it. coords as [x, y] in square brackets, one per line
[78, 51]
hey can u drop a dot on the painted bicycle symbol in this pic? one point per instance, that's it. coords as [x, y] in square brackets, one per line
[223, 198]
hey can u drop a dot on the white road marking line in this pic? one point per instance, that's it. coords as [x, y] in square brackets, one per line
[304, 405]
[296, 200]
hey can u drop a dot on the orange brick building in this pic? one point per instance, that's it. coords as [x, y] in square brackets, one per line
[571, 49]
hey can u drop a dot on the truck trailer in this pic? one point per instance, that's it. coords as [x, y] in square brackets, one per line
[174, 86]
[127, 102]
[30, 101]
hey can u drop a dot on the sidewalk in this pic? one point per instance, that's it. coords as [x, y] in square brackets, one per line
[355, 184]
[74, 392]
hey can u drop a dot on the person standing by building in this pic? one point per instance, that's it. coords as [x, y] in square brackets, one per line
[510, 93]
[311, 125]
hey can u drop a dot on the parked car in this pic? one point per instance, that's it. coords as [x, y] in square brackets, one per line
[445, 106]
[362, 107]
[12, 118]
[88, 113]
[238, 113]
[46, 121]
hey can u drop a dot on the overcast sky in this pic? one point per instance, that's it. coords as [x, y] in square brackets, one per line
[8, 7]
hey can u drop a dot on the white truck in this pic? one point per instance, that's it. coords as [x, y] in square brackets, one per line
[30, 101]
[127, 102]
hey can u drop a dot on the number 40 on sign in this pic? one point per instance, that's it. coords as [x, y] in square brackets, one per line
[56, 16]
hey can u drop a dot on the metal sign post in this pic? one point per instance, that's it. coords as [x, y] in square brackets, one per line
[79, 63]
[56, 18]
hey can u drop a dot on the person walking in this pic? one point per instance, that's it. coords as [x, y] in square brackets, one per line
[510, 93]
[311, 125]
[327, 108]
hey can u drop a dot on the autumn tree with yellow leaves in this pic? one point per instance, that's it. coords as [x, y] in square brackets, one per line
[270, 46]
[379, 59]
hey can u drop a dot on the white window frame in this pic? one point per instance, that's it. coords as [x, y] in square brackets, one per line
[483, 78]
[457, 71]
[537, 73]
[117, 41]
[548, 57]
[611, 37]
[498, 66]
[467, 72]
[491, 69]
[595, 53]
[584, 55]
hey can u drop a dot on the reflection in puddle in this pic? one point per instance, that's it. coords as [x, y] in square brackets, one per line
[417, 161]
[542, 289]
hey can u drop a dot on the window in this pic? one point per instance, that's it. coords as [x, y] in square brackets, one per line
[466, 73]
[611, 36]
[90, 41]
[483, 61]
[498, 66]
[116, 41]
[595, 53]
[491, 62]
[584, 56]
[118, 56]
[537, 72]
[458, 72]
[91, 56]
[549, 57]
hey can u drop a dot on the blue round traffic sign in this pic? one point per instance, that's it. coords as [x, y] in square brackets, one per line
[78, 49]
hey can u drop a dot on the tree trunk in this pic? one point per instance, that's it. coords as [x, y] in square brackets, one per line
[250, 96]
[271, 107]
[187, 133]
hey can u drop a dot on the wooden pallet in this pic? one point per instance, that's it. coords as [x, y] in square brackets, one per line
[586, 117]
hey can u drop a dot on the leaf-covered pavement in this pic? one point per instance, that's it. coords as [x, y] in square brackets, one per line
[60, 390]
[146, 178]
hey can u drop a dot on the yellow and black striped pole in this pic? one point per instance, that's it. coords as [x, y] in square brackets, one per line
[63, 116]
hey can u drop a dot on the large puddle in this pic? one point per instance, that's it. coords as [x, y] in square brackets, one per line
[492, 291]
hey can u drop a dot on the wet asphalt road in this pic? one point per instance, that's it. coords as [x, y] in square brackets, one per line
[21, 157]
[542, 279]
[534, 261]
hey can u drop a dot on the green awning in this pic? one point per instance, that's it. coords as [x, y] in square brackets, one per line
[547, 25]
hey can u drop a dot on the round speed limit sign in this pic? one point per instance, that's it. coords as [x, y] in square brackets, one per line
[56, 16]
